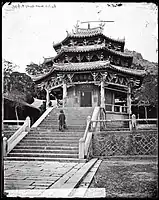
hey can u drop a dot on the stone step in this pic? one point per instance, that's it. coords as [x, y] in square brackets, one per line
[44, 151]
[50, 155]
[113, 131]
[57, 126]
[50, 131]
[22, 143]
[72, 123]
[117, 129]
[46, 159]
[52, 138]
[58, 148]
[51, 141]
[56, 129]
[55, 134]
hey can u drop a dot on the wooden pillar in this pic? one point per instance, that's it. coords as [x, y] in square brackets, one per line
[129, 105]
[102, 95]
[47, 98]
[145, 112]
[129, 101]
[64, 93]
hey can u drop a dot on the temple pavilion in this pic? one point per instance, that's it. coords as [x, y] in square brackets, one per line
[91, 69]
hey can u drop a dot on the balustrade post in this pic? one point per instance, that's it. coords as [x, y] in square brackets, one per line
[133, 122]
[47, 98]
[120, 109]
[4, 146]
[88, 120]
[102, 95]
[81, 148]
[64, 93]
[28, 122]
[113, 106]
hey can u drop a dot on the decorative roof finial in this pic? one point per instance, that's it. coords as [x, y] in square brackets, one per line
[67, 32]
[102, 25]
[77, 26]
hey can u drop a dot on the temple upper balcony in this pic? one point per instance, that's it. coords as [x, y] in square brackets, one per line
[89, 36]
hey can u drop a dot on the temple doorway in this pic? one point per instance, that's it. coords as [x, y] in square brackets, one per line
[86, 99]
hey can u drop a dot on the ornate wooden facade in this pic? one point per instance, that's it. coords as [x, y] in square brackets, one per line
[91, 69]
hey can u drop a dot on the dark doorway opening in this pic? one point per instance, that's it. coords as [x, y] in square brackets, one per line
[86, 99]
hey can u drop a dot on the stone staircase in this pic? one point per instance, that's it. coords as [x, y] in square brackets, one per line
[46, 142]
[9, 130]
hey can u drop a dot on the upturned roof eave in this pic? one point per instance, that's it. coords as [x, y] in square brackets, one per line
[78, 36]
[122, 54]
[43, 76]
[138, 73]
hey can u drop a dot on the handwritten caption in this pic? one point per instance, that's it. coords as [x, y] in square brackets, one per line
[34, 5]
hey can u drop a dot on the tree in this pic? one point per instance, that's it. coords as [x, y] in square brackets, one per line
[8, 68]
[35, 69]
[148, 92]
[18, 87]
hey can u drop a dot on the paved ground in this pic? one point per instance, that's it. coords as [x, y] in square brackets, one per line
[55, 179]
[42, 178]
[34, 174]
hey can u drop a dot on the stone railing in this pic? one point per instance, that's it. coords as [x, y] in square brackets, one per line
[82, 141]
[43, 116]
[131, 124]
[85, 143]
[9, 144]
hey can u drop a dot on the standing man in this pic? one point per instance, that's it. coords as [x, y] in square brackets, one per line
[62, 123]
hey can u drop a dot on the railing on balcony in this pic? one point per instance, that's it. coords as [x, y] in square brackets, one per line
[116, 108]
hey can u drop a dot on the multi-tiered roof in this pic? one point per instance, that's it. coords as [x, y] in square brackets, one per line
[88, 49]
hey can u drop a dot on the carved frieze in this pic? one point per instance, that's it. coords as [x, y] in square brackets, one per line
[85, 42]
[78, 57]
[94, 75]
[103, 75]
[70, 77]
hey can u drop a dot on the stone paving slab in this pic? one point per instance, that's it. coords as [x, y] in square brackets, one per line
[22, 174]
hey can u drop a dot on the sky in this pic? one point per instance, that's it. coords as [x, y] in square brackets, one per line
[29, 29]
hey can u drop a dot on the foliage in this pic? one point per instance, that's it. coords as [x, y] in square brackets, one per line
[35, 69]
[8, 68]
[16, 83]
[148, 92]
[18, 87]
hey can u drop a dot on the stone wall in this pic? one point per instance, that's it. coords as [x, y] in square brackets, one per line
[118, 143]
